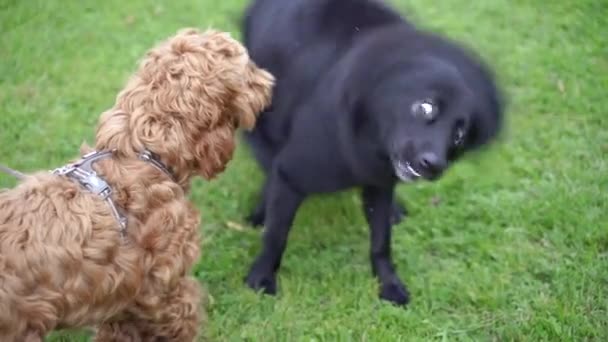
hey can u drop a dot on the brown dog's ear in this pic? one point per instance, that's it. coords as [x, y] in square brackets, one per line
[254, 97]
[214, 150]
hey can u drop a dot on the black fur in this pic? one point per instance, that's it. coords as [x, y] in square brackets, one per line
[355, 82]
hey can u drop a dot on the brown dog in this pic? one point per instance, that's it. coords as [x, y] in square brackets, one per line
[63, 260]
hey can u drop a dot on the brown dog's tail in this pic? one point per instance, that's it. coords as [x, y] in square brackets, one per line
[12, 172]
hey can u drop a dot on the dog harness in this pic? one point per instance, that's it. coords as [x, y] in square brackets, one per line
[82, 172]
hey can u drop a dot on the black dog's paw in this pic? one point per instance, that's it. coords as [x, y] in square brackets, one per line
[260, 280]
[395, 292]
[398, 213]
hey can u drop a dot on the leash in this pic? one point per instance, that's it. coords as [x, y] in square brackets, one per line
[12, 172]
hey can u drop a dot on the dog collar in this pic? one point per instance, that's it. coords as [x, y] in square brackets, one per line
[82, 172]
[152, 158]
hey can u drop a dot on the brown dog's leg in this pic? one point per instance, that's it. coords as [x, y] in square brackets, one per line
[177, 318]
[181, 313]
[21, 334]
[127, 331]
[32, 337]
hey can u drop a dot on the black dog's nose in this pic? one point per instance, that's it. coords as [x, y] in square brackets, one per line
[431, 162]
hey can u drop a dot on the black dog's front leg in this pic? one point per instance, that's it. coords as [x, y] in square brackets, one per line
[378, 207]
[282, 202]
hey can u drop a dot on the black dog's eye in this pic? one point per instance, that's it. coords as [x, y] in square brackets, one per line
[459, 134]
[425, 109]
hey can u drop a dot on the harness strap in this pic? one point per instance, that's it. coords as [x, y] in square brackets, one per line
[82, 171]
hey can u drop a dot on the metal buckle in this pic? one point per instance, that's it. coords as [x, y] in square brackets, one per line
[93, 183]
[145, 156]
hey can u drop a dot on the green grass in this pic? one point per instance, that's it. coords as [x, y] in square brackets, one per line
[512, 245]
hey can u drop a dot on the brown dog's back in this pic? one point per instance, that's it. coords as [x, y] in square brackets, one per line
[60, 255]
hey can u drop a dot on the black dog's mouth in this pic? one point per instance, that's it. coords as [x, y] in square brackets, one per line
[405, 171]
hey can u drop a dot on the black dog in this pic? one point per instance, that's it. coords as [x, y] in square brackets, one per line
[363, 99]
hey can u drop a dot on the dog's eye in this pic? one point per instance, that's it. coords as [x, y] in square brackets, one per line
[459, 136]
[425, 109]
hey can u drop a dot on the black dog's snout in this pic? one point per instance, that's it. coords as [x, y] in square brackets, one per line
[431, 162]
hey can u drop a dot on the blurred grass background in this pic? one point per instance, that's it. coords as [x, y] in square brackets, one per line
[512, 245]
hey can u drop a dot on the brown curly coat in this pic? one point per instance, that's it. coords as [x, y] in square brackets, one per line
[63, 263]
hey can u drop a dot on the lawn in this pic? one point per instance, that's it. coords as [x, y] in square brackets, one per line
[511, 245]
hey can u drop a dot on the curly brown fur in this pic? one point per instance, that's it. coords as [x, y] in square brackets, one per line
[63, 263]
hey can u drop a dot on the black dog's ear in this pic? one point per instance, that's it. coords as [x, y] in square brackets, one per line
[484, 128]
[487, 119]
